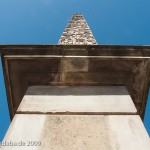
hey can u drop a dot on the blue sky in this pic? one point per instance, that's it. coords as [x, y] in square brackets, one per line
[43, 21]
[125, 22]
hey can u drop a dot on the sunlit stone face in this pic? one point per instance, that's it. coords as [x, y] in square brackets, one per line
[77, 32]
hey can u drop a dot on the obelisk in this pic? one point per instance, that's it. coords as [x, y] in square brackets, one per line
[77, 32]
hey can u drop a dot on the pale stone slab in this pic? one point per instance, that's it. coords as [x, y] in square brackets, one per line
[72, 132]
[77, 100]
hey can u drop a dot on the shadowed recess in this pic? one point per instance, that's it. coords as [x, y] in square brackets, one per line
[76, 90]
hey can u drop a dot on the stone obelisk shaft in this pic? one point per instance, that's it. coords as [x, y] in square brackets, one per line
[77, 32]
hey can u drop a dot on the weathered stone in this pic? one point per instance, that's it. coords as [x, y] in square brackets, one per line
[90, 100]
[77, 32]
[75, 64]
[23, 70]
[72, 132]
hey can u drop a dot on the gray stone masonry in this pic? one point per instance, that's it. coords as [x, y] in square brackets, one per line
[77, 32]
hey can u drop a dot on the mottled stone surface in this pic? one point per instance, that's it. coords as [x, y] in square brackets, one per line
[77, 32]
[82, 132]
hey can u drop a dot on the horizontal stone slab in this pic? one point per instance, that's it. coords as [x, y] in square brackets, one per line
[63, 132]
[77, 100]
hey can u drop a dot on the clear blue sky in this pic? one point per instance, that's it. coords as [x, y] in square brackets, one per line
[43, 21]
